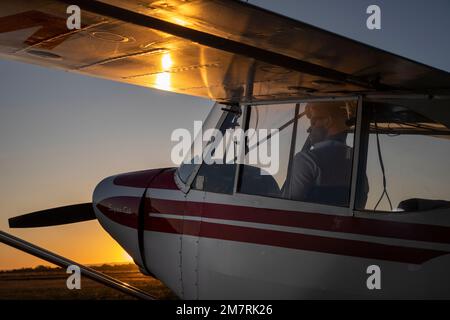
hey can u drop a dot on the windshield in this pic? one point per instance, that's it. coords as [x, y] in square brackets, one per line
[193, 159]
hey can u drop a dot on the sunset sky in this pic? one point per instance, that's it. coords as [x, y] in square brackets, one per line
[65, 135]
[61, 133]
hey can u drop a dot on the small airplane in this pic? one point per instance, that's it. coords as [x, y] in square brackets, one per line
[226, 231]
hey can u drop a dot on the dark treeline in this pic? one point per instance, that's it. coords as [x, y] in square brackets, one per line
[103, 267]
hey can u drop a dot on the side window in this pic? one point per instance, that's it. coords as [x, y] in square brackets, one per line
[321, 165]
[407, 156]
[315, 152]
[254, 176]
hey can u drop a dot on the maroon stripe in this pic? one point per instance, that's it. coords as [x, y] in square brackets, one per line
[165, 180]
[139, 179]
[291, 240]
[389, 229]
[364, 226]
[347, 224]
[164, 225]
[169, 206]
[123, 210]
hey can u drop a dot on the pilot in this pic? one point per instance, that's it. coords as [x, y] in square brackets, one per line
[321, 172]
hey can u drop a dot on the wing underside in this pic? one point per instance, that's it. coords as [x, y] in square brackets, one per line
[223, 50]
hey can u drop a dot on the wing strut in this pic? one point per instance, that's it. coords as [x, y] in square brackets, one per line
[64, 262]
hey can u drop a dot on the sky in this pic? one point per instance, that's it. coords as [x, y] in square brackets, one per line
[417, 29]
[61, 133]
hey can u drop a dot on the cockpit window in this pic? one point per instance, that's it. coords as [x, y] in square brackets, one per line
[256, 175]
[321, 166]
[406, 152]
[315, 152]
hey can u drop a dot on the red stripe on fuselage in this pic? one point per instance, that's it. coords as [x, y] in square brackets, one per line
[159, 178]
[291, 240]
[138, 179]
[123, 210]
[165, 180]
[317, 221]
[113, 209]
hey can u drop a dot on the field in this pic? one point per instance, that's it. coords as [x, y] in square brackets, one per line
[44, 283]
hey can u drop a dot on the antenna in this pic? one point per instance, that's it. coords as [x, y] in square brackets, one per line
[383, 170]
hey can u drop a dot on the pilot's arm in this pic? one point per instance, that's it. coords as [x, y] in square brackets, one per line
[302, 178]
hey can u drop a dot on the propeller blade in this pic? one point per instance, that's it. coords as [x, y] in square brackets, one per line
[54, 217]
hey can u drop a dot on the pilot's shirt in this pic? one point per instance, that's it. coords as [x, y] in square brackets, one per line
[322, 174]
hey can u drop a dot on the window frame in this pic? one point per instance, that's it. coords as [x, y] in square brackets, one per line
[286, 204]
[348, 210]
[359, 163]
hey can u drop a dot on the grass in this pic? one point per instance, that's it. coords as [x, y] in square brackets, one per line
[46, 283]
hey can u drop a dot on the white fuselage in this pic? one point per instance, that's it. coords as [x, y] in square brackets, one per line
[261, 248]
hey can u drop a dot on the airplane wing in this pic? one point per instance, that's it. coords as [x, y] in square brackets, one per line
[224, 50]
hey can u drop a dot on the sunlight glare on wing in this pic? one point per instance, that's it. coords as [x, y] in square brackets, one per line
[163, 81]
[166, 61]
[180, 21]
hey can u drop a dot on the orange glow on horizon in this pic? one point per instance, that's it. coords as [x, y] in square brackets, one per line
[95, 247]
[127, 257]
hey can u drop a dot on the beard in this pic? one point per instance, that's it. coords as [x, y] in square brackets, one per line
[318, 134]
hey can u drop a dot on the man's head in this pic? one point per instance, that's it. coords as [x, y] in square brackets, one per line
[327, 119]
